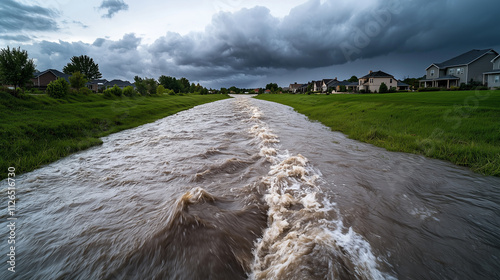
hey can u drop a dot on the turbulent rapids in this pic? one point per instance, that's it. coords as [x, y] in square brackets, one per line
[248, 189]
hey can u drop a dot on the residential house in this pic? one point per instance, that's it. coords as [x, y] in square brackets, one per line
[492, 78]
[317, 86]
[372, 81]
[464, 68]
[294, 87]
[403, 86]
[42, 79]
[121, 84]
[96, 85]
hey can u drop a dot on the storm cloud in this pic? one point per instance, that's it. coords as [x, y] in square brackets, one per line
[319, 34]
[113, 7]
[15, 16]
[250, 46]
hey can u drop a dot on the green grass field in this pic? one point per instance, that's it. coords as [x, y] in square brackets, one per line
[458, 126]
[40, 129]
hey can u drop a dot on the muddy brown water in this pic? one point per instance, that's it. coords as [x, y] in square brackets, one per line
[249, 189]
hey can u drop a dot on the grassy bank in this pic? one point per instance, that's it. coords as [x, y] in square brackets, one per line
[462, 126]
[39, 130]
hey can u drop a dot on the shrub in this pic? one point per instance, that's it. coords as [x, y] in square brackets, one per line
[77, 80]
[160, 90]
[129, 91]
[85, 90]
[383, 88]
[454, 88]
[58, 88]
[115, 90]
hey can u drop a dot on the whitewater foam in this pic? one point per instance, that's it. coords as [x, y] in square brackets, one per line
[305, 237]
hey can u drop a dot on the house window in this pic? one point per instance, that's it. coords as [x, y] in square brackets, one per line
[451, 71]
[371, 81]
[497, 79]
[432, 72]
[460, 71]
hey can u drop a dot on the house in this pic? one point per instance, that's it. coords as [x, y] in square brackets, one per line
[294, 87]
[372, 81]
[96, 85]
[317, 86]
[121, 84]
[403, 86]
[42, 79]
[464, 68]
[492, 78]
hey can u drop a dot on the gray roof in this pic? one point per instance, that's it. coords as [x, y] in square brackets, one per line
[119, 83]
[464, 59]
[401, 84]
[378, 74]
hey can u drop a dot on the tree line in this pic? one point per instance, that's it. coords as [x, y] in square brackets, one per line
[17, 69]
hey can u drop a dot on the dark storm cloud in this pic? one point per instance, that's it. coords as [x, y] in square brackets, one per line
[16, 17]
[113, 7]
[17, 38]
[128, 42]
[251, 46]
[319, 34]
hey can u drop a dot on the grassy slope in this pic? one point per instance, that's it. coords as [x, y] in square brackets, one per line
[41, 130]
[461, 127]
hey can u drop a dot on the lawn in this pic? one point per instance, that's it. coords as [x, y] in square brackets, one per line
[458, 126]
[39, 130]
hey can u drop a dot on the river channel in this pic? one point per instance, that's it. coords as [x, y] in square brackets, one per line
[249, 189]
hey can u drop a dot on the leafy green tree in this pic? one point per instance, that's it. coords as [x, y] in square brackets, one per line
[115, 90]
[160, 90]
[151, 85]
[58, 88]
[140, 85]
[353, 79]
[129, 91]
[272, 87]
[15, 67]
[84, 65]
[184, 84]
[383, 88]
[77, 80]
[170, 83]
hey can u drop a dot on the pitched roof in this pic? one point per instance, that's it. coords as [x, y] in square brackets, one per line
[119, 83]
[464, 59]
[55, 72]
[378, 74]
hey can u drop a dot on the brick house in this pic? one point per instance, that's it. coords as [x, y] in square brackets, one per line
[42, 79]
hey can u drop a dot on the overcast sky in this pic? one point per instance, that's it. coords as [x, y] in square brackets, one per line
[250, 43]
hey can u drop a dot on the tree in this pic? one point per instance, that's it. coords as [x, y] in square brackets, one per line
[15, 67]
[184, 84]
[383, 88]
[353, 79]
[160, 90]
[77, 80]
[272, 87]
[170, 83]
[140, 85]
[84, 65]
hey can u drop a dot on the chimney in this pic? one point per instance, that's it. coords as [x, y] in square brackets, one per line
[371, 71]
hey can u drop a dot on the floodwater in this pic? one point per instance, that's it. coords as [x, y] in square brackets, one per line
[249, 189]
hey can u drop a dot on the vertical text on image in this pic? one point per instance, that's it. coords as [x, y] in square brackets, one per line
[11, 208]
